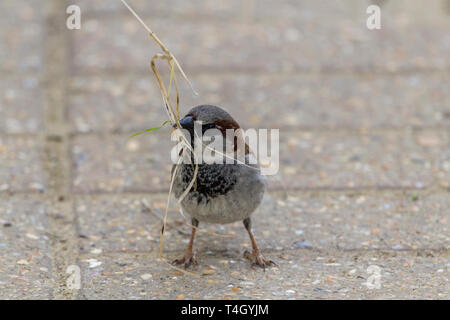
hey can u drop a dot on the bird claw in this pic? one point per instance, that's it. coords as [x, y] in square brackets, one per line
[188, 259]
[258, 259]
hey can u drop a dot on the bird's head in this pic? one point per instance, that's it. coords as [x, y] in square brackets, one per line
[209, 117]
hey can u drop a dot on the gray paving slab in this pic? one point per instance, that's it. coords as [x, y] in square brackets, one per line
[273, 45]
[302, 274]
[348, 221]
[261, 9]
[307, 160]
[365, 149]
[21, 35]
[132, 103]
[26, 260]
[117, 224]
[121, 163]
[437, 146]
[114, 103]
[388, 159]
[21, 108]
[21, 164]
[268, 10]
[372, 221]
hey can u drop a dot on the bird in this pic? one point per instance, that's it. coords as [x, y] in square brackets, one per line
[222, 193]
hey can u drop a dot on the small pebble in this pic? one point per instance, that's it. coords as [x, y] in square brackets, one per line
[277, 294]
[146, 276]
[37, 186]
[429, 141]
[93, 263]
[302, 244]
[290, 292]
[133, 145]
[208, 271]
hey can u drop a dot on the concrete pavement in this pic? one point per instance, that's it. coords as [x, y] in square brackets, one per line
[359, 210]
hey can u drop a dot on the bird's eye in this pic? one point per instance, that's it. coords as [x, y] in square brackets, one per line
[208, 126]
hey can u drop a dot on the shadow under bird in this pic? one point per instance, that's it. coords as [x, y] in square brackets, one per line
[222, 193]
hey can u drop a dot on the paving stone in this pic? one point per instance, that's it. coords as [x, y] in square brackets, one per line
[21, 109]
[263, 10]
[345, 160]
[133, 103]
[21, 169]
[385, 220]
[120, 163]
[118, 223]
[307, 160]
[365, 149]
[21, 35]
[436, 145]
[111, 103]
[382, 221]
[120, 37]
[336, 40]
[122, 223]
[26, 263]
[301, 275]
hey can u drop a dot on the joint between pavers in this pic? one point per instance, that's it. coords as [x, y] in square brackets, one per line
[64, 242]
[326, 130]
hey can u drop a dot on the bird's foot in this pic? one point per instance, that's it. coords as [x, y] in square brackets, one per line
[258, 259]
[188, 259]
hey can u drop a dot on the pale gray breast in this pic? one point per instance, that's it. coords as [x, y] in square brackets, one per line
[223, 193]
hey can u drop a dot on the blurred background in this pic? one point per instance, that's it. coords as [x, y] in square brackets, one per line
[364, 119]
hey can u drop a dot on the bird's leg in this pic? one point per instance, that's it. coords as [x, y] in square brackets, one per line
[255, 256]
[189, 255]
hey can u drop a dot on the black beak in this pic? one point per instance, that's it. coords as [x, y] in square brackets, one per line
[186, 123]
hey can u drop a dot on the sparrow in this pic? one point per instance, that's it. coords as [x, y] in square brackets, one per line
[222, 193]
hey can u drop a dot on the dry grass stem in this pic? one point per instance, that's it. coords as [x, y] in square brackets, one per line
[173, 114]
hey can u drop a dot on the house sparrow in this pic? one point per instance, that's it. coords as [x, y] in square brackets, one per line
[222, 193]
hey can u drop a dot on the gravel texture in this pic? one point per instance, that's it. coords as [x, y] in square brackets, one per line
[359, 209]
